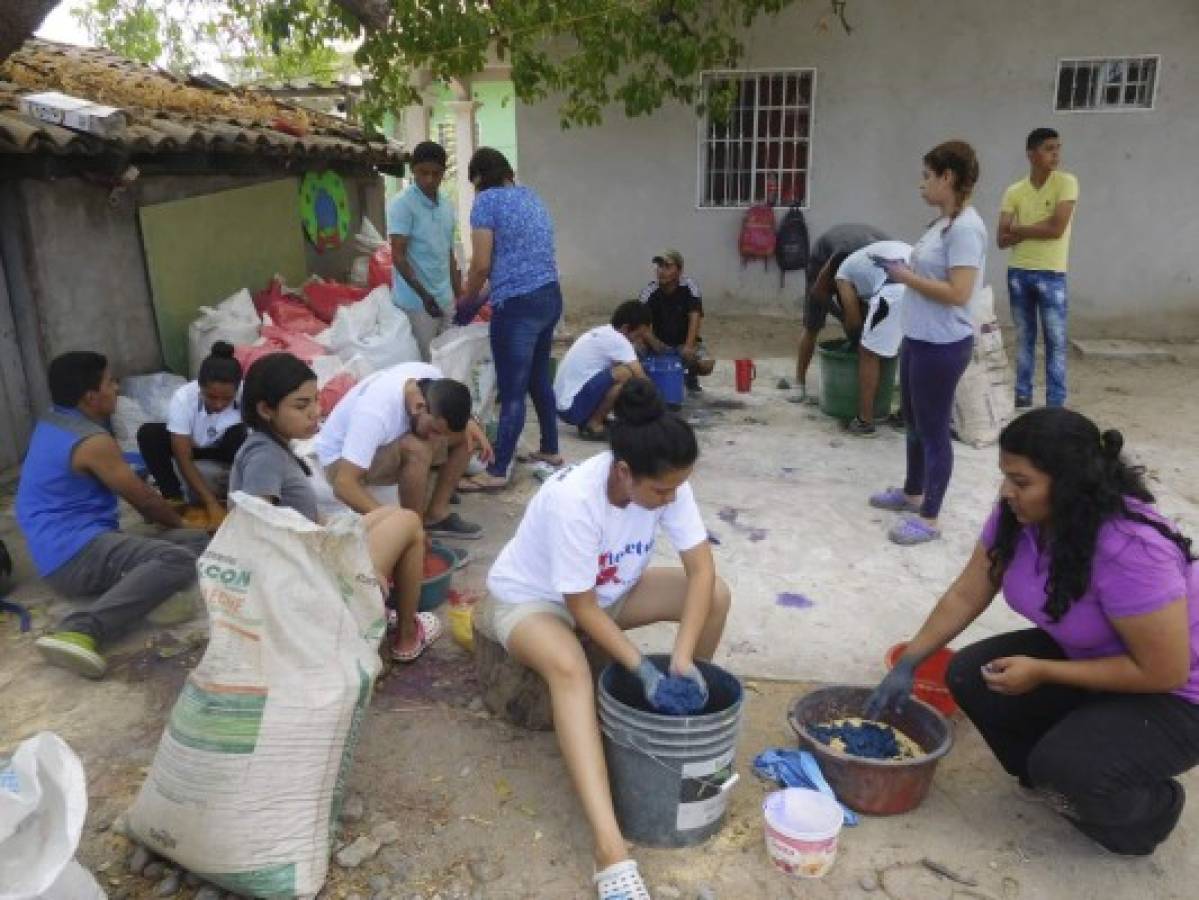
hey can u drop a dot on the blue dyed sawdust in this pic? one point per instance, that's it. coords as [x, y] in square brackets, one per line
[677, 696]
[871, 740]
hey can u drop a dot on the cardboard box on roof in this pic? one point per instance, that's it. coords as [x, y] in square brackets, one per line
[73, 112]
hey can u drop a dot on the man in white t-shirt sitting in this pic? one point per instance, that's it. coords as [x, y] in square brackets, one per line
[595, 367]
[869, 310]
[391, 428]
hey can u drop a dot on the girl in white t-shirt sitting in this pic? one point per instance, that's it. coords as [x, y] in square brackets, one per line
[579, 561]
[203, 423]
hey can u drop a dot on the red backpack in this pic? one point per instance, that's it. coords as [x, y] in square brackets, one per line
[757, 240]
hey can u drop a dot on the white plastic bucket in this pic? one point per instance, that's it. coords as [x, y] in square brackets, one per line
[801, 831]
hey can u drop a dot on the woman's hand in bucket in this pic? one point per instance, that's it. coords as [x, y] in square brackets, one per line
[649, 676]
[691, 672]
[893, 691]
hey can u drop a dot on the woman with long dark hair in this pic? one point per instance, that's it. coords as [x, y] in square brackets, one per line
[946, 273]
[512, 241]
[579, 562]
[1096, 709]
[279, 405]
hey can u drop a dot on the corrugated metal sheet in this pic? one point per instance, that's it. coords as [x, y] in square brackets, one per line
[166, 114]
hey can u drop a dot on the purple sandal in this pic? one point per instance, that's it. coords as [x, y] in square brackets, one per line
[893, 500]
[911, 530]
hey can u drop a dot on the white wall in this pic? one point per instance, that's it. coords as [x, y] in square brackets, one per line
[910, 75]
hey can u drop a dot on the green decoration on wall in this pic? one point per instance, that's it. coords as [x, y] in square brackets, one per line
[324, 210]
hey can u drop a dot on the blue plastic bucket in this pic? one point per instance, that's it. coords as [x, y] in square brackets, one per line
[666, 371]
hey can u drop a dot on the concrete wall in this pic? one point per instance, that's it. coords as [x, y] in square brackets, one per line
[909, 76]
[83, 268]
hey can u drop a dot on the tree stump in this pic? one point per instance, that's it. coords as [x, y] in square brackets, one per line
[516, 693]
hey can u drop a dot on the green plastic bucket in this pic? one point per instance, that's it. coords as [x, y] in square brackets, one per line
[839, 381]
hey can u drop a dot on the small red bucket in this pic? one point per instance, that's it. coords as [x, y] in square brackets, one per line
[930, 678]
[746, 373]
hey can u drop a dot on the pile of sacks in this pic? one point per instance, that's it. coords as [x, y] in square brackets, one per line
[344, 332]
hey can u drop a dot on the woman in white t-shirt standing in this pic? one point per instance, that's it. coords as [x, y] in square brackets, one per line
[945, 275]
[203, 423]
[580, 559]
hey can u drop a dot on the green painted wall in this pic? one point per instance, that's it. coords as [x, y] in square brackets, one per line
[495, 119]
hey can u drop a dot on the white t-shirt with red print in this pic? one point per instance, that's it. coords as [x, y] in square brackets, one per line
[572, 539]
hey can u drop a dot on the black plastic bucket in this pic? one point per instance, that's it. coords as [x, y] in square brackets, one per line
[670, 775]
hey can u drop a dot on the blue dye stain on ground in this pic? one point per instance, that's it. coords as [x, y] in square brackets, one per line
[869, 739]
[794, 601]
[677, 696]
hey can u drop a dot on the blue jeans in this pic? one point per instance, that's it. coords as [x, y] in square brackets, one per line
[1033, 291]
[929, 375]
[522, 329]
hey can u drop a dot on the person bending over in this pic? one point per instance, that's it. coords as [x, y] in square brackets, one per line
[819, 294]
[869, 307]
[203, 423]
[279, 404]
[1096, 707]
[67, 509]
[580, 562]
[596, 367]
[390, 429]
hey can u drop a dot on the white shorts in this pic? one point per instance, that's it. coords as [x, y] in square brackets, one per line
[881, 333]
[497, 619]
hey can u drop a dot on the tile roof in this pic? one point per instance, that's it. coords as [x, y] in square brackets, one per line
[167, 114]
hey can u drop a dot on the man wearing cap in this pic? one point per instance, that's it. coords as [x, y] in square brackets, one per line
[677, 311]
[420, 225]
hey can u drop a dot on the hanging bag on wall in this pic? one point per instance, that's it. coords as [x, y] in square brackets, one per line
[757, 240]
[791, 243]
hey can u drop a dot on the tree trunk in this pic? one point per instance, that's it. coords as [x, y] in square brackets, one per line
[20, 20]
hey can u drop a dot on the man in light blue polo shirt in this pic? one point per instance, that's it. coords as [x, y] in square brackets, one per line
[420, 225]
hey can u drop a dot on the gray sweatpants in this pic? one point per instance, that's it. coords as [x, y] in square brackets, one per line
[425, 328]
[128, 575]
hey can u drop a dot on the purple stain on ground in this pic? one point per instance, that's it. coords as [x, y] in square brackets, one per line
[713, 539]
[729, 515]
[794, 601]
[757, 534]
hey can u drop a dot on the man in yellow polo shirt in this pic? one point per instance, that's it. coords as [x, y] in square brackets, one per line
[1035, 219]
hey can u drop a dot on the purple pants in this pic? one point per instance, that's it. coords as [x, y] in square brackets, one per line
[929, 375]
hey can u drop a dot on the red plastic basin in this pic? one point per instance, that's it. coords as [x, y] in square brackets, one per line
[930, 678]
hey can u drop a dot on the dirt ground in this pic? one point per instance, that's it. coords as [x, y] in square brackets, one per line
[485, 808]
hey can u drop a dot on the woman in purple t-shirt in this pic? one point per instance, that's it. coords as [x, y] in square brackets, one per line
[1096, 709]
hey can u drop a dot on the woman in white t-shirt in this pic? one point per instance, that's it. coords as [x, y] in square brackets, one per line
[203, 423]
[579, 560]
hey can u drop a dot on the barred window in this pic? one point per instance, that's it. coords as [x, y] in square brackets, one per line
[1119, 83]
[762, 151]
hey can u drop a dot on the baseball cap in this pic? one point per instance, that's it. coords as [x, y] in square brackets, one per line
[669, 256]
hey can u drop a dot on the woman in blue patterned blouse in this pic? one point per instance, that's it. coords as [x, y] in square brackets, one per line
[512, 240]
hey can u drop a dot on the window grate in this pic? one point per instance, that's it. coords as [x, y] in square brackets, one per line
[762, 151]
[1107, 84]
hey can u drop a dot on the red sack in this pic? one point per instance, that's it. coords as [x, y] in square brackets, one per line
[273, 293]
[325, 297]
[335, 388]
[278, 340]
[292, 315]
[379, 271]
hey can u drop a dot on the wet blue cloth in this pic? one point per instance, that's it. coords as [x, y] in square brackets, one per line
[799, 769]
[869, 740]
[677, 696]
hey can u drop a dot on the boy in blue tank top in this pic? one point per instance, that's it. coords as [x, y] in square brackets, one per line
[71, 478]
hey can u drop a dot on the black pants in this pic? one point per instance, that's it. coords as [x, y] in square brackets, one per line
[1105, 761]
[154, 444]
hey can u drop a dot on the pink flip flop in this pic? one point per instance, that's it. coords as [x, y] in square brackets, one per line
[428, 630]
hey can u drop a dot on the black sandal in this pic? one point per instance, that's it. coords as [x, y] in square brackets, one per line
[587, 433]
